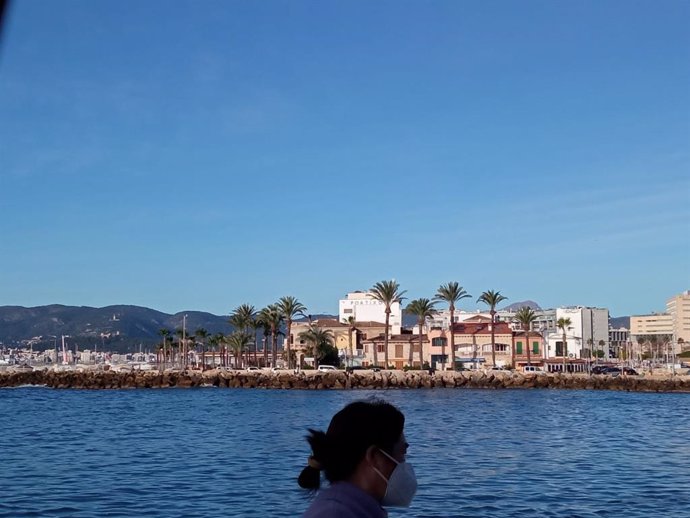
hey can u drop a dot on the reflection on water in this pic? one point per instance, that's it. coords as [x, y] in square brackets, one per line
[219, 452]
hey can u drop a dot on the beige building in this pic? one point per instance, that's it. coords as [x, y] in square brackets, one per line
[342, 337]
[654, 324]
[678, 308]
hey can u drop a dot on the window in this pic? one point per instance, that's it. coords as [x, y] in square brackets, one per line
[438, 342]
[559, 348]
[518, 346]
[347, 310]
[535, 347]
[398, 350]
[415, 347]
[380, 348]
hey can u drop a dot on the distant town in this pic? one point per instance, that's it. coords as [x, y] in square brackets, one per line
[368, 332]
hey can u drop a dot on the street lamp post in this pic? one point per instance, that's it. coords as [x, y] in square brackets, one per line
[184, 340]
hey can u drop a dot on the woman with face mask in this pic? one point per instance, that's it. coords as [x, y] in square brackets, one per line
[362, 455]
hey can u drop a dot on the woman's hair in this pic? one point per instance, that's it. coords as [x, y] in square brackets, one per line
[352, 431]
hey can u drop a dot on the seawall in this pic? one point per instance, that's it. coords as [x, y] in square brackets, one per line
[338, 380]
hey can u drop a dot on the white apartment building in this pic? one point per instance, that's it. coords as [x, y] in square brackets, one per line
[365, 308]
[588, 330]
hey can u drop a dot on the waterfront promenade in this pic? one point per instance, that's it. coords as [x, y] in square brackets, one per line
[338, 380]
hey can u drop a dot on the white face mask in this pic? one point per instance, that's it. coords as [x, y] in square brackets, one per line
[401, 485]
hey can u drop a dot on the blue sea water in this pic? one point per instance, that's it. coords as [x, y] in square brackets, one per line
[222, 452]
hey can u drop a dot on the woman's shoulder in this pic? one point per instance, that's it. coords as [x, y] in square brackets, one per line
[343, 500]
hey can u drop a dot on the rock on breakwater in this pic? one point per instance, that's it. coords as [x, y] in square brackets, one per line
[337, 380]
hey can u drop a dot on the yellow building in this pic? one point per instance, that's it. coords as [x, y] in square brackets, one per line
[654, 324]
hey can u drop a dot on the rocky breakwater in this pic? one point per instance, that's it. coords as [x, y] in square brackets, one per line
[311, 380]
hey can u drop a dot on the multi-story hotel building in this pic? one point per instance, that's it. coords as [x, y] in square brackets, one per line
[678, 308]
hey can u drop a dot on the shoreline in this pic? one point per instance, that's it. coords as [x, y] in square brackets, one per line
[314, 380]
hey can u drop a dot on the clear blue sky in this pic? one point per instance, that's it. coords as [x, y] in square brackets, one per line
[199, 155]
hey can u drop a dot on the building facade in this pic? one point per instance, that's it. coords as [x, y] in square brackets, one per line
[587, 336]
[365, 308]
[678, 308]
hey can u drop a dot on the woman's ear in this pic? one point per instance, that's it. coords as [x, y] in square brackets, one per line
[370, 455]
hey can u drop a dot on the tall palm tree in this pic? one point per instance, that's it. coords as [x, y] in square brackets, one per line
[351, 328]
[563, 324]
[165, 333]
[290, 308]
[422, 309]
[492, 298]
[318, 339]
[526, 316]
[214, 342]
[389, 293]
[202, 334]
[272, 318]
[451, 293]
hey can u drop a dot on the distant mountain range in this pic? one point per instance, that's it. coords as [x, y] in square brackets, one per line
[120, 324]
[116, 328]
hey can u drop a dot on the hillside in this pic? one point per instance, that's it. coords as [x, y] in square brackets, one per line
[88, 324]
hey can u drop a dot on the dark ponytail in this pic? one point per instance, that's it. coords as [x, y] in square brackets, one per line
[310, 478]
[352, 431]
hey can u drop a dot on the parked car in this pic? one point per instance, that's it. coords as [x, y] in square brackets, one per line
[600, 369]
[252, 368]
[326, 368]
[630, 371]
[612, 371]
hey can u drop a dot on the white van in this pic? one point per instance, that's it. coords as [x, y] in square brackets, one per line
[326, 368]
[532, 369]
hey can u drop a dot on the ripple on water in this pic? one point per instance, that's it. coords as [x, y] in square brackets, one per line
[226, 453]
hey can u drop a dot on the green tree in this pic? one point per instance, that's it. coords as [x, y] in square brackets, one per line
[492, 298]
[422, 309]
[238, 342]
[320, 344]
[272, 319]
[526, 316]
[451, 293]
[242, 318]
[290, 308]
[387, 292]
[563, 324]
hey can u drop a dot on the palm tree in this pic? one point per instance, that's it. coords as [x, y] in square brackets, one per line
[451, 293]
[164, 334]
[526, 316]
[389, 293]
[563, 324]
[272, 318]
[422, 309]
[238, 342]
[202, 334]
[351, 328]
[492, 298]
[289, 308]
[318, 339]
[219, 341]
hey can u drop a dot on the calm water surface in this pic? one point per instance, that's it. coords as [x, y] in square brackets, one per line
[222, 452]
